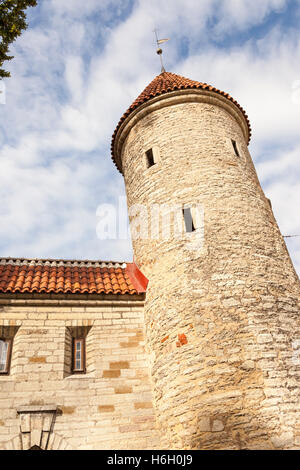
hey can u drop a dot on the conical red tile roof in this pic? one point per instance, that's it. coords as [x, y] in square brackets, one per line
[165, 83]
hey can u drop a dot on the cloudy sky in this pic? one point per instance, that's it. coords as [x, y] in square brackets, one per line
[81, 64]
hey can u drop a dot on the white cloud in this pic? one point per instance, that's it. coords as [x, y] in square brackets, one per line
[74, 77]
[243, 14]
[79, 68]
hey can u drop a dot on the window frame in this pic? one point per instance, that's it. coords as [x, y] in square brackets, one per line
[6, 371]
[82, 370]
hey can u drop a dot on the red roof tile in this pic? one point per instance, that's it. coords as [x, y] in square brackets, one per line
[165, 83]
[70, 277]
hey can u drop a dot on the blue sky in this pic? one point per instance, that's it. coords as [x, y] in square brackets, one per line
[81, 64]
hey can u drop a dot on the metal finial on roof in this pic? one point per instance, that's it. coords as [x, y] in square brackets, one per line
[159, 50]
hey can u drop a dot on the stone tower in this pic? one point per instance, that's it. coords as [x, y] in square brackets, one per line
[222, 310]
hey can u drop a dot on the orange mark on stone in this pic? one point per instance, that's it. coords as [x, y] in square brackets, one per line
[182, 339]
[165, 339]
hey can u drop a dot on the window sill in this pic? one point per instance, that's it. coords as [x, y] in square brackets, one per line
[6, 377]
[80, 375]
[151, 168]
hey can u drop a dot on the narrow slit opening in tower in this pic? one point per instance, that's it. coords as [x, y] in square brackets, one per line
[188, 220]
[150, 158]
[235, 147]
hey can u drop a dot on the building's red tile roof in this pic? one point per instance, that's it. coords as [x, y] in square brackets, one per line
[69, 277]
[164, 83]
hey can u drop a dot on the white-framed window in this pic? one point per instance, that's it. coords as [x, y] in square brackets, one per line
[78, 363]
[5, 355]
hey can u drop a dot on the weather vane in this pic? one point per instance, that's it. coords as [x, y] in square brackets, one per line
[159, 50]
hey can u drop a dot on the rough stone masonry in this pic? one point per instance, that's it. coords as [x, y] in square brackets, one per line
[222, 320]
[210, 358]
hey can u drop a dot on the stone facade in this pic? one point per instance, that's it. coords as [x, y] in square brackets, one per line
[222, 318]
[43, 404]
[219, 364]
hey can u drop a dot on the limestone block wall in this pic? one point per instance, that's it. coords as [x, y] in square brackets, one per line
[109, 407]
[222, 320]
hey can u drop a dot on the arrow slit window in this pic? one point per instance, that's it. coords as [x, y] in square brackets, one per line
[188, 220]
[152, 156]
[235, 147]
